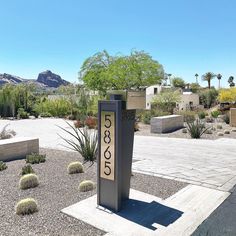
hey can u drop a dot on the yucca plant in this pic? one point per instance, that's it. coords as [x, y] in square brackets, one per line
[196, 128]
[84, 141]
[7, 133]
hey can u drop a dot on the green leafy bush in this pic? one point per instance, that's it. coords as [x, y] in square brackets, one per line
[26, 206]
[29, 181]
[215, 114]
[84, 141]
[196, 128]
[147, 115]
[86, 185]
[75, 167]
[27, 169]
[3, 166]
[7, 133]
[189, 116]
[22, 114]
[45, 115]
[201, 115]
[35, 158]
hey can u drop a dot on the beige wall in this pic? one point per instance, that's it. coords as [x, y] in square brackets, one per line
[186, 99]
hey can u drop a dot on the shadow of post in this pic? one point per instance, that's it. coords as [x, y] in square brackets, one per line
[146, 214]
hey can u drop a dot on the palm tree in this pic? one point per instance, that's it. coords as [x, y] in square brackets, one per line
[208, 77]
[196, 75]
[219, 76]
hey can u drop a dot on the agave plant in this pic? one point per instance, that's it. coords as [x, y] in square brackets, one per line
[84, 141]
[7, 133]
[196, 128]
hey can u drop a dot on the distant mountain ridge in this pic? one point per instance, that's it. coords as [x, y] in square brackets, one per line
[45, 79]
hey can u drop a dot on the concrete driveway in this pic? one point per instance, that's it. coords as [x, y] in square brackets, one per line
[209, 163]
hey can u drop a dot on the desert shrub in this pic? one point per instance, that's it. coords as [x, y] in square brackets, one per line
[220, 134]
[219, 126]
[196, 128]
[189, 116]
[3, 165]
[75, 167]
[209, 119]
[35, 158]
[26, 206]
[184, 131]
[84, 141]
[215, 114]
[91, 122]
[136, 126]
[208, 97]
[227, 132]
[201, 115]
[22, 114]
[166, 101]
[45, 115]
[78, 124]
[147, 115]
[226, 118]
[7, 133]
[209, 131]
[86, 185]
[27, 169]
[28, 181]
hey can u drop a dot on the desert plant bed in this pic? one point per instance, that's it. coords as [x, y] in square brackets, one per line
[58, 189]
[144, 130]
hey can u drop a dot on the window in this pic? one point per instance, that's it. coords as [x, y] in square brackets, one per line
[155, 90]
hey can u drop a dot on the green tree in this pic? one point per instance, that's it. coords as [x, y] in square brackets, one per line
[178, 82]
[166, 101]
[208, 77]
[102, 72]
[195, 87]
[231, 81]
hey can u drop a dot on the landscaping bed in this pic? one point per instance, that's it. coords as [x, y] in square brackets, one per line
[57, 190]
[144, 130]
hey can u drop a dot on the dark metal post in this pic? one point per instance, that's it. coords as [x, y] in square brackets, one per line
[116, 137]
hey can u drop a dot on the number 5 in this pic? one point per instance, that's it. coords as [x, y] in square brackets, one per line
[107, 120]
[108, 167]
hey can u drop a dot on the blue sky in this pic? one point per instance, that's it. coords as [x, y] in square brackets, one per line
[185, 36]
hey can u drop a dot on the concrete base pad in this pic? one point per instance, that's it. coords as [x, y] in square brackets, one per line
[144, 214]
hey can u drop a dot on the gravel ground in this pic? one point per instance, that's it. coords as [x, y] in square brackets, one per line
[144, 130]
[56, 191]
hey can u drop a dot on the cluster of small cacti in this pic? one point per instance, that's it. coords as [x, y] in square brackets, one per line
[3, 166]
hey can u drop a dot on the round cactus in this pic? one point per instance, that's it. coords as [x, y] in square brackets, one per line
[226, 132]
[29, 181]
[86, 185]
[26, 206]
[75, 167]
[220, 134]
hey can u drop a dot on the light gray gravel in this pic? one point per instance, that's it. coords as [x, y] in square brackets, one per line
[56, 191]
[144, 130]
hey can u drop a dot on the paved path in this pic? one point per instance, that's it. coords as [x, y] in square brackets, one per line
[209, 163]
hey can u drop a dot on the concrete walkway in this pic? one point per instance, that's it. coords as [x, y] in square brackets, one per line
[208, 163]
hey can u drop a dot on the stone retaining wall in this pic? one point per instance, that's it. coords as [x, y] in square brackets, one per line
[18, 148]
[165, 124]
